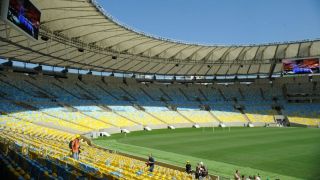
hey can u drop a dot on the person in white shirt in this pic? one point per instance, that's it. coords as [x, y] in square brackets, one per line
[237, 176]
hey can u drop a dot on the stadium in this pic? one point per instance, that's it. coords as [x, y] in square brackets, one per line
[85, 97]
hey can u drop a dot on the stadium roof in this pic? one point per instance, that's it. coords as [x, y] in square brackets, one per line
[71, 26]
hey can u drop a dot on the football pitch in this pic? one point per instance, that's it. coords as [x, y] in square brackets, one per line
[284, 153]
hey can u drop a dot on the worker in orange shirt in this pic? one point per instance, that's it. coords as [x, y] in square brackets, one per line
[76, 147]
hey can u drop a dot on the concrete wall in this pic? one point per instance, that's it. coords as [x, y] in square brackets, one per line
[162, 126]
[134, 128]
[239, 124]
[111, 130]
[182, 125]
[259, 124]
[116, 130]
[210, 124]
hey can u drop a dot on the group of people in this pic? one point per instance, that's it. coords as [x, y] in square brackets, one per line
[237, 176]
[200, 172]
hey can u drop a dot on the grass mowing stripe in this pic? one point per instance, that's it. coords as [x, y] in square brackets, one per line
[278, 151]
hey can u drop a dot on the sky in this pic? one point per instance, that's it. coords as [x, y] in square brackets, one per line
[220, 21]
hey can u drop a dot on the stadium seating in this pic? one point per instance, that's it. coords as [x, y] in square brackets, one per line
[106, 116]
[198, 116]
[303, 113]
[227, 113]
[76, 117]
[50, 147]
[41, 114]
[166, 115]
[37, 92]
[260, 114]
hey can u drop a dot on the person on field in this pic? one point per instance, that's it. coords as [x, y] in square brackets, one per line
[237, 175]
[204, 170]
[188, 167]
[243, 177]
[201, 171]
[75, 147]
[198, 171]
[150, 163]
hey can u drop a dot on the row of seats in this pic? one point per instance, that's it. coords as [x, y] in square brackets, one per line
[53, 145]
[260, 112]
[308, 114]
[199, 116]
[83, 95]
[67, 90]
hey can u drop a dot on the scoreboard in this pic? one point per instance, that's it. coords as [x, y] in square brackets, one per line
[23, 15]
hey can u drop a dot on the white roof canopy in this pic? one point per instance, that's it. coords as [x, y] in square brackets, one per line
[109, 46]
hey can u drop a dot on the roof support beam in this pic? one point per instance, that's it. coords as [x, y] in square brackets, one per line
[160, 43]
[166, 49]
[71, 17]
[121, 34]
[206, 58]
[101, 31]
[195, 52]
[177, 53]
[273, 65]
[82, 25]
[148, 41]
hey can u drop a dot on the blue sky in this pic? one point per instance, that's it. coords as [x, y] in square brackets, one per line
[220, 21]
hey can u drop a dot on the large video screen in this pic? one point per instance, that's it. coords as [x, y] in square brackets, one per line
[301, 66]
[25, 16]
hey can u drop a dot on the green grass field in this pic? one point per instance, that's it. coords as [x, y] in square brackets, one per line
[285, 153]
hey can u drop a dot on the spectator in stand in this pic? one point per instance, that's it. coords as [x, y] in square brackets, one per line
[188, 168]
[150, 163]
[201, 171]
[243, 177]
[236, 175]
[258, 177]
[204, 170]
[197, 173]
[76, 147]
